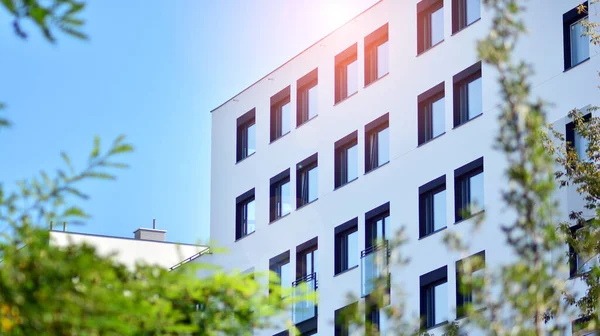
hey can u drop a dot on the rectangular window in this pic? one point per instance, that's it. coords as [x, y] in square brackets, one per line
[464, 12]
[307, 180]
[377, 143]
[346, 246]
[434, 297]
[577, 142]
[576, 42]
[246, 135]
[583, 327]
[343, 320]
[346, 159]
[468, 190]
[468, 94]
[376, 319]
[280, 265]
[281, 200]
[306, 284]
[465, 273]
[581, 261]
[430, 24]
[375, 257]
[245, 214]
[376, 54]
[377, 225]
[346, 73]
[432, 113]
[308, 100]
[432, 206]
[280, 114]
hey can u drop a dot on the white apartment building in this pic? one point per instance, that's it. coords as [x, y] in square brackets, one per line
[387, 122]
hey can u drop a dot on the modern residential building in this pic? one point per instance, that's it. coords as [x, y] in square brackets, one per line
[387, 122]
[148, 246]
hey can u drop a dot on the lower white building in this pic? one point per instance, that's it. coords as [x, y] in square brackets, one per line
[387, 123]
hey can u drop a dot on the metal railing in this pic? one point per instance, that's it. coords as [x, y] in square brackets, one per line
[374, 263]
[305, 303]
[187, 260]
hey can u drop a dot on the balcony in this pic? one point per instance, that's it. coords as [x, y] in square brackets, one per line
[374, 265]
[305, 298]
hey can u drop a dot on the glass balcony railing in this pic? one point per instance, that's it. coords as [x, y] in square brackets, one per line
[374, 266]
[305, 303]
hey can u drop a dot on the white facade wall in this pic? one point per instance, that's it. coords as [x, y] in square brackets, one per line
[410, 166]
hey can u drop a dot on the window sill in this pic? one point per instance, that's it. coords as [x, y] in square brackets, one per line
[245, 158]
[344, 99]
[576, 65]
[465, 27]
[306, 204]
[274, 140]
[249, 234]
[432, 233]
[306, 121]
[374, 169]
[436, 326]
[345, 184]
[345, 271]
[376, 80]
[472, 216]
[466, 122]
[426, 50]
[278, 219]
[430, 140]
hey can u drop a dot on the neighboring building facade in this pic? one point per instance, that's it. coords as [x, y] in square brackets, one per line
[388, 122]
[148, 246]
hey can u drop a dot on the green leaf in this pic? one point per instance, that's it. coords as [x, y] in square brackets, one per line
[76, 192]
[96, 150]
[99, 175]
[125, 148]
[75, 212]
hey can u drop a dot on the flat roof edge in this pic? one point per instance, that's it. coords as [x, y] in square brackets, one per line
[125, 238]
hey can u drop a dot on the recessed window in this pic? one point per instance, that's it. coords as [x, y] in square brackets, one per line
[307, 179]
[280, 265]
[306, 282]
[430, 24]
[376, 320]
[434, 297]
[346, 73]
[346, 159]
[465, 294]
[576, 42]
[464, 12]
[376, 55]
[432, 113]
[377, 225]
[581, 260]
[584, 327]
[281, 200]
[246, 135]
[346, 246]
[468, 94]
[245, 214]
[343, 320]
[468, 190]
[280, 114]
[577, 142]
[377, 143]
[307, 105]
[375, 256]
[432, 206]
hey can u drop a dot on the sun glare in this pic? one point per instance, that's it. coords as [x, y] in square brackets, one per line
[334, 12]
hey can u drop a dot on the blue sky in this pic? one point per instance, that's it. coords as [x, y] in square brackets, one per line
[152, 70]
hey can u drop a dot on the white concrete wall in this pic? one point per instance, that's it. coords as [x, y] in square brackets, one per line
[410, 166]
[128, 250]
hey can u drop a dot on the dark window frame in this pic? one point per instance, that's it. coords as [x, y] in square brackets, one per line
[371, 218]
[341, 148]
[427, 283]
[341, 234]
[372, 129]
[462, 195]
[343, 317]
[459, 15]
[372, 42]
[277, 102]
[426, 206]
[342, 60]
[303, 85]
[244, 122]
[463, 298]
[302, 170]
[570, 132]
[302, 250]
[569, 18]
[461, 83]
[276, 263]
[424, 10]
[425, 112]
[241, 225]
[275, 196]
